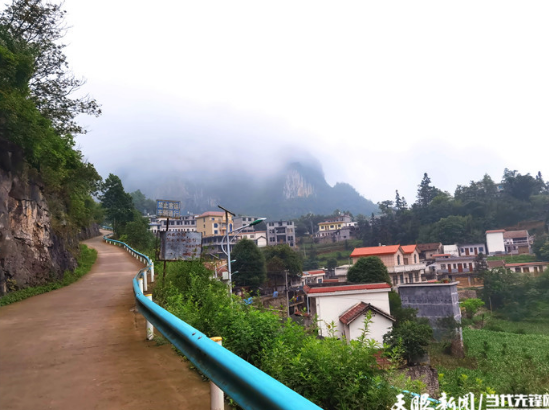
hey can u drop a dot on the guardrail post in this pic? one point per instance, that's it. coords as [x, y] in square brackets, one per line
[145, 279]
[152, 272]
[150, 328]
[217, 395]
[140, 281]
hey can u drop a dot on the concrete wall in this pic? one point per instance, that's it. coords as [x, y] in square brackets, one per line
[495, 243]
[378, 327]
[433, 301]
[329, 308]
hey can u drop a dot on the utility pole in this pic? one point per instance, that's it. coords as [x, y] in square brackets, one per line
[287, 297]
[227, 212]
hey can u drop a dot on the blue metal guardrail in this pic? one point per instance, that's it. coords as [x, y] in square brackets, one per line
[245, 384]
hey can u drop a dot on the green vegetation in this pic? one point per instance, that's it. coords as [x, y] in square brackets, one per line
[85, 261]
[249, 263]
[38, 115]
[329, 372]
[472, 306]
[513, 258]
[368, 270]
[499, 362]
[438, 216]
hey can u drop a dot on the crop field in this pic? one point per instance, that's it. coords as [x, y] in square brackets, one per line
[496, 362]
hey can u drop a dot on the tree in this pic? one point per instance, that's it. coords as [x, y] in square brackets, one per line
[40, 25]
[472, 306]
[331, 263]
[117, 203]
[290, 259]
[368, 270]
[250, 264]
[413, 335]
[137, 234]
[142, 203]
[425, 192]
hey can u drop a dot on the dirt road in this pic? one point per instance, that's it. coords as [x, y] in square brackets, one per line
[84, 347]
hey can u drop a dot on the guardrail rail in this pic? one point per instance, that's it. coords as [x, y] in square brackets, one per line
[248, 386]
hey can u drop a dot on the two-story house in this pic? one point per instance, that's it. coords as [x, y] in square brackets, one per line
[402, 262]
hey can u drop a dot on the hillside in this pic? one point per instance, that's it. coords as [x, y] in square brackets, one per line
[295, 190]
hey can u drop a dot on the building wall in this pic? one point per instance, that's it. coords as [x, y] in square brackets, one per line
[388, 260]
[495, 243]
[472, 249]
[207, 225]
[433, 301]
[379, 326]
[329, 308]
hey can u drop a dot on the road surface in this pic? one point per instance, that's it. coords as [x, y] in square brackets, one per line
[84, 347]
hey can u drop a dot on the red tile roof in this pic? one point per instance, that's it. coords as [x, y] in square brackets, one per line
[496, 231]
[514, 265]
[353, 313]
[422, 247]
[375, 250]
[331, 280]
[314, 272]
[496, 264]
[408, 248]
[345, 288]
[441, 254]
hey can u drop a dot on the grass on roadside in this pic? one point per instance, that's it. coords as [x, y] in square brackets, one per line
[85, 261]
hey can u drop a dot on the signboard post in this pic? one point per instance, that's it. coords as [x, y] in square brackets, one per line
[180, 245]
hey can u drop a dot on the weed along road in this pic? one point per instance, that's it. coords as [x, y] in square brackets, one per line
[84, 347]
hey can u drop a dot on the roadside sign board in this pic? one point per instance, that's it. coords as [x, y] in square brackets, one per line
[167, 207]
[180, 245]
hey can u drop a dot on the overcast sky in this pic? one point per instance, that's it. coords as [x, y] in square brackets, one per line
[378, 92]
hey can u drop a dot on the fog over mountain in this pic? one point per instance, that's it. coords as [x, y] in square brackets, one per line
[287, 191]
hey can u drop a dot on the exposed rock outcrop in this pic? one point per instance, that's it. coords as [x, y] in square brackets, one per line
[31, 253]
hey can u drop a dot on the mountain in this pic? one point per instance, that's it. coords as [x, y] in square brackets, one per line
[297, 189]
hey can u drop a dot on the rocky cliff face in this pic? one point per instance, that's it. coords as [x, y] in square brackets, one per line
[295, 186]
[30, 252]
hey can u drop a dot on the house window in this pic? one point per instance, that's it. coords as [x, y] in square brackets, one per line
[395, 280]
[462, 250]
[216, 225]
[398, 259]
[481, 249]
[526, 270]
[517, 270]
[415, 258]
[401, 278]
[442, 266]
[416, 275]
[215, 232]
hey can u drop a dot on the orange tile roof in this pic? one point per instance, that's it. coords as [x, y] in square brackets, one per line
[441, 254]
[515, 234]
[345, 288]
[496, 231]
[408, 248]
[375, 250]
[314, 272]
[211, 213]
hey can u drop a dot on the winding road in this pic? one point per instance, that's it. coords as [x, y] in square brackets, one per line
[84, 347]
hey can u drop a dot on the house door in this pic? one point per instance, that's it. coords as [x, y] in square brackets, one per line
[467, 251]
[476, 251]
[460, 267]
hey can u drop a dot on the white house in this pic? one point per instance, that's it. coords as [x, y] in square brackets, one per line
[345, 305]
[471, 249]
[451, 250]
[495, 242]
[312, 276]
[259, 237]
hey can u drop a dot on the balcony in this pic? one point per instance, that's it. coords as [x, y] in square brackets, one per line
[406, 268]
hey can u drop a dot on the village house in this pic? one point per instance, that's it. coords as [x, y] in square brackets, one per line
[427, 250]
[336, 229]
[501, 241]
[533, 268]
[471, 249]
[346, 305]
[281, 232]
[258, 237]
[185, 223]
[312, 276]
[213, 223]
[460, 269]
[402, 262]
